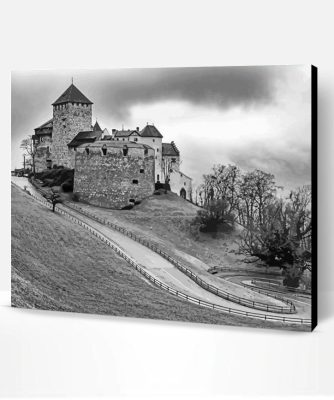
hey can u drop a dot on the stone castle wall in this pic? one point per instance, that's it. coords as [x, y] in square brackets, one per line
[68, 120]
[108, 180]
[43, 153]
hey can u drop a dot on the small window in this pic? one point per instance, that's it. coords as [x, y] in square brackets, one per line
[157, 150]
[146, 152]
[141, 170]
[104, 150]
[125, 150]
[173, 160]
[158, 177]
[185, 184]
[87, 150]
[153, 140]
[135, 181]
[136, 139]
[123, 139]
[117, 139]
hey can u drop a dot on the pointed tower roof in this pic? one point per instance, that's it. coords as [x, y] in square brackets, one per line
[96, 127]
[72, 95]
[150, 131]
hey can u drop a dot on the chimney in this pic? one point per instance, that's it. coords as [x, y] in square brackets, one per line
[137, 129]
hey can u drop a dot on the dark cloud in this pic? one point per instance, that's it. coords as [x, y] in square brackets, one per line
[117, 91]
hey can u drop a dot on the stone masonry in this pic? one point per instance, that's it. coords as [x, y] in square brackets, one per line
[114, 175]
[68, 120]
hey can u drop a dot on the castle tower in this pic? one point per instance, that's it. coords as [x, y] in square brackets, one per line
[72, 113]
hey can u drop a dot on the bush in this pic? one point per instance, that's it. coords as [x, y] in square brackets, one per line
[129, 207]
[75, 197]
[67, 186]
[55, 177]
[212, 216]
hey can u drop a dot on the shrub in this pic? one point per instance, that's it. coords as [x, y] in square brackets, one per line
[213, 216]
[128, 207]
[75, 197]
[67, 186]
[56, 177]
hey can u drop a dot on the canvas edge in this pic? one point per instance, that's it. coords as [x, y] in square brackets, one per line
[314, 182]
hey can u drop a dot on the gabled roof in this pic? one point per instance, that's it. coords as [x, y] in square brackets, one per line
[170, 149]
[84, 137]
[47, 124]
[72, 95]
[45, 129]
[123, 133]
[96, 127]
[150, 131]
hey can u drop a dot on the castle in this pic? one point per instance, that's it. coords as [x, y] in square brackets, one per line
[110, 169]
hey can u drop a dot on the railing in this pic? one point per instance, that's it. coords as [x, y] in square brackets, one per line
[277, 287]
[211, 288]
[194, 300]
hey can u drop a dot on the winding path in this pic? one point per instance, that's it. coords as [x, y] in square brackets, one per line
[162, 269]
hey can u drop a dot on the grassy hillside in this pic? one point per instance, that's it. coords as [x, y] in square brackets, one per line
[57, 265]
[165, 220]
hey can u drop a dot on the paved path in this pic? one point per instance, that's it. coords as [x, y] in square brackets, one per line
[161, 268]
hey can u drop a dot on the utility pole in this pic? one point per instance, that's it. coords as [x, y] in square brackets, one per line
[24, 162]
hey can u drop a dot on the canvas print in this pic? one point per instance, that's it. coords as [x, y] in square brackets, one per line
[181, 194]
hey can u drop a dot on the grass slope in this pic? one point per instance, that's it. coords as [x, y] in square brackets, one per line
[165, 220]
[57, 265]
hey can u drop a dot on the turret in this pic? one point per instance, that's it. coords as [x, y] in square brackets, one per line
[72, 113]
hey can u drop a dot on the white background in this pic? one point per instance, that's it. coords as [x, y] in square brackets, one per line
[56, 354]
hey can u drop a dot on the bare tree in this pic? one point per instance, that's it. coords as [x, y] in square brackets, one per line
[282, 237]
[30, 149]
[54, 198]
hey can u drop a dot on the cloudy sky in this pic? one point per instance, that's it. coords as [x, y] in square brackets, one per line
[255, 117]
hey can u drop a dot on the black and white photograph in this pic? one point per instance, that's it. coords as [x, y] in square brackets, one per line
[167, 199]
[179, 194]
